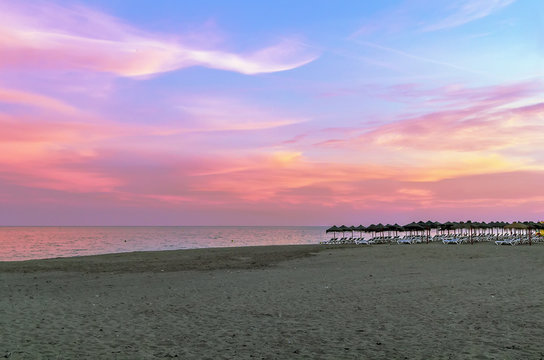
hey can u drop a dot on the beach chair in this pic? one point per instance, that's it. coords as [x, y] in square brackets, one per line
[449, 241]
[508, 241]
[405, 240]
[363, 241]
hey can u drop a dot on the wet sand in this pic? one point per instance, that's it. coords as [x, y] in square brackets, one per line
[284, 302]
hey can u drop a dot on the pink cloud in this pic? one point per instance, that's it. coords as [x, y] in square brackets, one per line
[52, 36]
[208, 114]
[473, 129]
[406, 166]
[483, 130]
[52, 149]
[258, 182]
[36, 100]
[474, 120]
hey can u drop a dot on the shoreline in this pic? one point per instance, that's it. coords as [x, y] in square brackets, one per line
[235, 257]
[213, 258]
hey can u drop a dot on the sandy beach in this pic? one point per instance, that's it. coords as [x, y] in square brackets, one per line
[283, 302]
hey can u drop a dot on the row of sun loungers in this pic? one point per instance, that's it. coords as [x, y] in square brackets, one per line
[358, 241]
[503, 239]
[514, 240]
[456, 241]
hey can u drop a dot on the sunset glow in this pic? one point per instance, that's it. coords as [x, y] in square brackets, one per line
[241, 113]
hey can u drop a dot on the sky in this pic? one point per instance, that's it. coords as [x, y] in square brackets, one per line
[310, 112]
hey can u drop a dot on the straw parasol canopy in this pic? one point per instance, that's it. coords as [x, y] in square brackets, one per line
[332, 229]
[360, 228]
[531, 225]
[343, 229]
[413, 226]
[428, 226]
[516, 225]
[521, 226]
[446, 226]
[371, 228]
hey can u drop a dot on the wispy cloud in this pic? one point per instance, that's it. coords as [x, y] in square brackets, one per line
[207, 114]
[465, 11]
[428, 16]
[35, 100]
[43, 35]
[459, 95]
[415, 57]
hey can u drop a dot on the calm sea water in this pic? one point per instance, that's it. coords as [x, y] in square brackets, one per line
[25, 243]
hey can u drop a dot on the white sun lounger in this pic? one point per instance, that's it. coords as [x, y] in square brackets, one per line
[452, 241]
[363, 241]
[513, 241]
[405, 241]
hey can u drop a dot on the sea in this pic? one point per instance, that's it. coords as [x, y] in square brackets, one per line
[26, 243]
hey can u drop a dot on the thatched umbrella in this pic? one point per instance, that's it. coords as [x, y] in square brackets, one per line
[531, 226]
[371, 229]
[516, 226]
[437, 225]
[447, 226]
[428, 226]
[500, 225]
[413, 226]
[492, 225]
[477, 227]
[470, 225]
[389, 228]
[334, 229]
[360, 228]
[484, 226]
[343, 229]
[380, 228]
[398, 228]
[459, 225]
[353, 228]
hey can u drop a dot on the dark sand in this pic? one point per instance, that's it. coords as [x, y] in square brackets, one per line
[287, 302]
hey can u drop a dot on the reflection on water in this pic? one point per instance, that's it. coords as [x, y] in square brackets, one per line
[24, 243]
